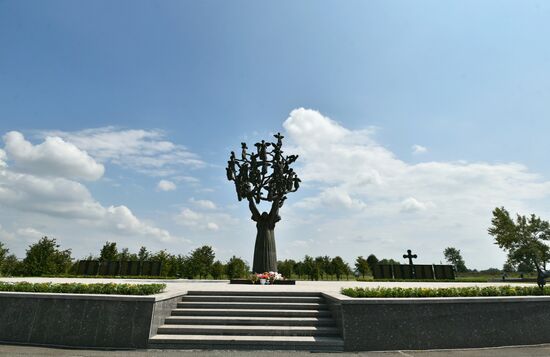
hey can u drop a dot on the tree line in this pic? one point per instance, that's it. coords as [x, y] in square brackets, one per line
[327, 268]
[523, 238]
[47, 258]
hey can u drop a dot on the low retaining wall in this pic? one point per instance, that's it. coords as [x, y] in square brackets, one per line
[78, 320]
[127, 322]
[434, 323]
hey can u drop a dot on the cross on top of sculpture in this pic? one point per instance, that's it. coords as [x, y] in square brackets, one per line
[263, 175]
[410, 256]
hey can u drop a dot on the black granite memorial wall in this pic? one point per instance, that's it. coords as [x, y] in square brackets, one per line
[424, 271]
[117, 268]
[444, 272]
[415, 271]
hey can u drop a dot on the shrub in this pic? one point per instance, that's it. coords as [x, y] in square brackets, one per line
[472, 291]
[236, 268]
[45, 257]
[78, 288]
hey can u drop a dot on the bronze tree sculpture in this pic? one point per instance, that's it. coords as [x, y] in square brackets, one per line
[263, 175]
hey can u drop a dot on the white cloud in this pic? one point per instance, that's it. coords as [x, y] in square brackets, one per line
[124, 220]
[51, 196]
[186, 179]
[3, 158]
[207, 219]
[332, 198]
[212, 226]
[146, 151]
[30, 233]
[353, 186]
[66, 199]
[188, 217]
[362, 168]
[204, 204]
[418, 149]
[298, 243]
[53, 157]
[165, 185]
[62, 200]
[411, 204]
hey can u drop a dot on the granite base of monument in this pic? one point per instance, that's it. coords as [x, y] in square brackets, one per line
[249, 282]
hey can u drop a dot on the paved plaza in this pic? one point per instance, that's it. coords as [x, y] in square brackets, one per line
[517, 351]
[175, 286]
[182, 286]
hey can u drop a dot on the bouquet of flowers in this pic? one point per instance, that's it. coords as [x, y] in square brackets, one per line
[266, 278]
[272, 276]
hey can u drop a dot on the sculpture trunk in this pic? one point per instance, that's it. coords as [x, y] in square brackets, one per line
[265, 253]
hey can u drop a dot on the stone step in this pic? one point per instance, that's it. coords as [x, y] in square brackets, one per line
[249, 321]
[255, 293]
[252, 298]
[228, 342]
[252, 305]
[246, 330]
[249, 312]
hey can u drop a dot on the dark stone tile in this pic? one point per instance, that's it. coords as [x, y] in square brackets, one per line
[75, 322]
[444, 325]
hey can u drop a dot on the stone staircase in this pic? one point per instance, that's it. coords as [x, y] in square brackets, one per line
[249, 320]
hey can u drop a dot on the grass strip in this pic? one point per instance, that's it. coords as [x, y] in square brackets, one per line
[473, 291]
[79, 288]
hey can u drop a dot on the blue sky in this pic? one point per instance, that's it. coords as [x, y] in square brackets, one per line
[176, 85]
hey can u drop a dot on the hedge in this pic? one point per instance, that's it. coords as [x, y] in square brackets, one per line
[457, 280]
[473, 291]
[149, 277]
[79, 288]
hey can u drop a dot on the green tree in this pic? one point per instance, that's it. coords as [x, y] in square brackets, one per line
[12, 266]
[286, 268]
[508, 267]
[372, 260]
[45, 258]
[349, 271]
[166, 260]
[523, 239]
[362, 266]
[324, 265]
[217, 270]
[388, 261]
[299, 269]
[108, 252]
[201, 261]
[526, 267]
[3, 254]
[124, 255]
[177, 265]
[143, 254]
[321, 267]
[310, 268]
[236, 268]
[339, 267]
[453, 256]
